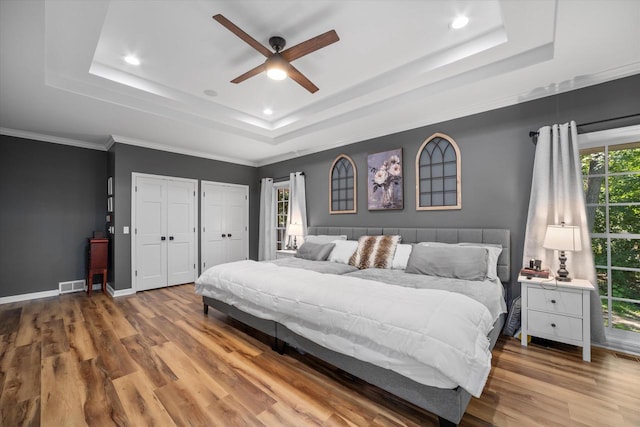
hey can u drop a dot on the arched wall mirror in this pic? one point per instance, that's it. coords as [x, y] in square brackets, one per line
[438, 174]
[342, 186]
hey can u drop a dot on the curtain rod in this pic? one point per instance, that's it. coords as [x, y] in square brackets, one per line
[534, 134]
[282, 178]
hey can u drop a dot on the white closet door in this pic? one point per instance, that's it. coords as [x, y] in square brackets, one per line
[180, 232]
[151, 225]
[236, 207]
[164, 216]
[224, 217]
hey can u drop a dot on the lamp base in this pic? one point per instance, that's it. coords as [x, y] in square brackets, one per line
[563, 273]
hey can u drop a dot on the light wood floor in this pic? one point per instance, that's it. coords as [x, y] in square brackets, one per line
[155, 359]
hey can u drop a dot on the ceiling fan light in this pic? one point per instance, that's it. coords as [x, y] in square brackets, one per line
[277, 74]
[276, 67]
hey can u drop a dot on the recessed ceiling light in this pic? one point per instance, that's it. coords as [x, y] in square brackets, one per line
[267, 111]
[459, 22]
[210, 92]
[130, 59]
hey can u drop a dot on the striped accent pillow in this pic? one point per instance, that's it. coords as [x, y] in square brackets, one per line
[375, 252]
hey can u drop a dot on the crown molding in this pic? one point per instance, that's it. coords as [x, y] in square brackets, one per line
[164, 147]
[53, 139]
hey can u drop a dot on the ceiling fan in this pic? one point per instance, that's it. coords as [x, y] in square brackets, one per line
[278, 64]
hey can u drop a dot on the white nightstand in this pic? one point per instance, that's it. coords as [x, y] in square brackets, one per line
[558, 311]
[285, 253]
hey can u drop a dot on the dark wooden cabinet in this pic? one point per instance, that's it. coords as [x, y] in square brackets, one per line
[97, 262]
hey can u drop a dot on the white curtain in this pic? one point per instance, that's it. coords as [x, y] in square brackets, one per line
[267, 237]
[557, 196]
[297, 213]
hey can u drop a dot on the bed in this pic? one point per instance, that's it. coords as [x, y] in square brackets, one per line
[274, 310]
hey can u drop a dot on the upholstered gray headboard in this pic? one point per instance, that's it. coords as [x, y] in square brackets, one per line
[444, 235]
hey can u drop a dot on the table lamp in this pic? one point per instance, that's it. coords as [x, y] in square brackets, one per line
[295, 230]
[563, 238]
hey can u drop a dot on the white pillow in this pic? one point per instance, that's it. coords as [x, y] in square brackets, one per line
[323, 239]
[494, 253]
[401, 257]
[343, 250]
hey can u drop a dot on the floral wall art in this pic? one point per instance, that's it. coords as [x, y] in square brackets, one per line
[385, 180]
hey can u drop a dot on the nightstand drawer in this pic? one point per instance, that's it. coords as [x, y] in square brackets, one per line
[554, 325]
[555, 301]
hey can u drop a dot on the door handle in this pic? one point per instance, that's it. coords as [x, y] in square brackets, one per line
[163, 238]
[229, 235]
[170, 237]
[224, 235]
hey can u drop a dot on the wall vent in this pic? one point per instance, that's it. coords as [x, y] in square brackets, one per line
[72, 286]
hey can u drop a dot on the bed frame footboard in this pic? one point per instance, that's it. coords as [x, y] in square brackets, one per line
[448, 404]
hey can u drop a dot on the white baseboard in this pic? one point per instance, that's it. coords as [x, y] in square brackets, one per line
[30, 296]
[619, 345]
[56, 292]
[119, 293]
[96, 287]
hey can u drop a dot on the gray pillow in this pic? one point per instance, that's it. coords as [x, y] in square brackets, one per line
[314, 251]
[458, 262]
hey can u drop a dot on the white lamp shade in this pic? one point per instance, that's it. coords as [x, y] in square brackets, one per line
[563, 238]
[294, 229]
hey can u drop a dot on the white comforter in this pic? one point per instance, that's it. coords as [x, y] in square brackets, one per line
[434, 337]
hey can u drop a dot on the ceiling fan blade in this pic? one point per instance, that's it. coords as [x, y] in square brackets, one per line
[311, 45]
[255, 71]
[244, 36]
[299, 78]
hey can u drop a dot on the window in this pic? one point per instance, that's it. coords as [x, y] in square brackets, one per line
[342, 186]
[611, 178]
[438, 174]
[281, 196]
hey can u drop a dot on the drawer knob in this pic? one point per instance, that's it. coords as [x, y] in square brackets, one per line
[553, 325]
[553, 301]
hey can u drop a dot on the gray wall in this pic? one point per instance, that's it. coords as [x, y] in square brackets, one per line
[129, 158]
[53, 197]
[497, 161]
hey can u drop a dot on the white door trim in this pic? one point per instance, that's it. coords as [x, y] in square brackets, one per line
[132, 229]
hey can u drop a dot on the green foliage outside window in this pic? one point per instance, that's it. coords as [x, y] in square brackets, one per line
[620, 253]
[282, 208]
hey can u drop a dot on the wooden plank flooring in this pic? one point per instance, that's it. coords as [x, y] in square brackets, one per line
[155, 359]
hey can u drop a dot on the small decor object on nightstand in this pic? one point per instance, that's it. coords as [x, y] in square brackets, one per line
[563, 238]
[528, 272]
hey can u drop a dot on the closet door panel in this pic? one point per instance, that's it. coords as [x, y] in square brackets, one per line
[213, 244]
[236, 215]
[151, 224]
[181, 232]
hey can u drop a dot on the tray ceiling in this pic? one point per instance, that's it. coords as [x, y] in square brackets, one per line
[398, 65]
